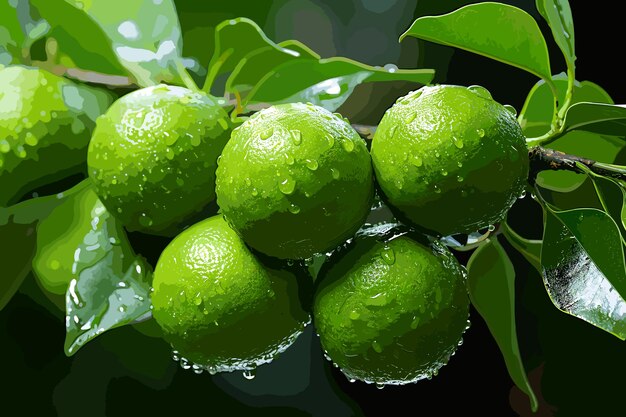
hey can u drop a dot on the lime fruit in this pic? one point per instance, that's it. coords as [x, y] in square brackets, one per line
[450, 159]
[295, 180]
[153, 156]
[218, 305]
[45, 126]
[391, 310]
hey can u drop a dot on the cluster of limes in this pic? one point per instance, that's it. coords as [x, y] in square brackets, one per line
[295, 180]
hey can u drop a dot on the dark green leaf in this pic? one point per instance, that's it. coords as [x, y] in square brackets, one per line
[535, 119]
[18, 238]
[327, 82]
[253, 67]
[612, 197]
[575, 283]
[495, 30]
[491, 285]
[111, 285]
[529, 248]
[604, 119]
[18, 30]
[559, 17]
[599, 237]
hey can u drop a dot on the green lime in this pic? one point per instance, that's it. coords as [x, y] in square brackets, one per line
[391, 311]
[153, 156]
[45, 126]
[450, 159]
[218, 305]
[295, 180]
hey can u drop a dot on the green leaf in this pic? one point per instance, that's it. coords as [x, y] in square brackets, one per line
[491, 285]
[18, 30]
[600, 118]
[326, 82]
[600, 238]
[495, 30]
[612, 197]
[559, 17]
[18, 238]
[529, 248]
[575, 283]
[535, 119]
[143, 36]
[253, 67]
[111, 285]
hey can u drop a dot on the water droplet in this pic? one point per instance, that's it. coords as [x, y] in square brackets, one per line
[377, 347]
[437, 154]
[460, 343]
[459, 178]
[254, 192]
[388, 255]
[144, 220]
[195, 140]
[197, 369]
[197, 300]
[335, 173]
[351, 380]
[481, 132]
[380, 385]
[459, 164]
[457, 142]
[491, 228]
[392, 130]
[437, 189]
[4, 146]
[416, 161]
[522, 195]
[410, 117]
[444, 172]
[510, 109]
[289, 159]
[175, 356]
[294, 209]
[463, 193]
[266, 134]
[391, 68]
[296, 136]
[170, 139]
[30, 139]
[348, 145]
[354, 315]
[287, 186]
[415, 322]
[248, 182]
[481, 91]
[249, 374]
[312, 164]
[331, 141]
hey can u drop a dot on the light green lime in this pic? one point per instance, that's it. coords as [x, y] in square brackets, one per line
[218, 305]
[391, 311]
[295, 180]
[153, 156]
[45, 126]
[450, 159]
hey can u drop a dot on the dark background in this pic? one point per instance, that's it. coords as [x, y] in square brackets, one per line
[575, 369]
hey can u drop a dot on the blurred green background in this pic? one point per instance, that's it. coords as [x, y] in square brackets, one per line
[575, 368]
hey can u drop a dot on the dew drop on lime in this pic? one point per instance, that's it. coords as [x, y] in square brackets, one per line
[144, 220]
[417, 161]
[289, 159]
[510, 109]
[254, 192]
[312, 164]
[459, 164]
[377, 347]
[348, 145]
[266, 134]
[5, 147]
[480, 132]
[388, 255]
[410, 117]
[248, 182]
[415, 322]
[249, 374]
[354, 315]
[287, 186]
[491, 228]
[335, 173]
[392, 130]
[444, 172]
[457, 142]
[481, 91]
[380, 385]
[330, 140]
[296, 136]
[437, 189]
[459, 178]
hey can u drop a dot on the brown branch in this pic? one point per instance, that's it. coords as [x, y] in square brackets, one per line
[542, 159]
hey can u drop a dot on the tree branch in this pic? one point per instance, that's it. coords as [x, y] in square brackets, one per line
[542, 159]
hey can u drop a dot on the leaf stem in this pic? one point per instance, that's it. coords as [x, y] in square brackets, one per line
[214, 70]
[185, 77]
